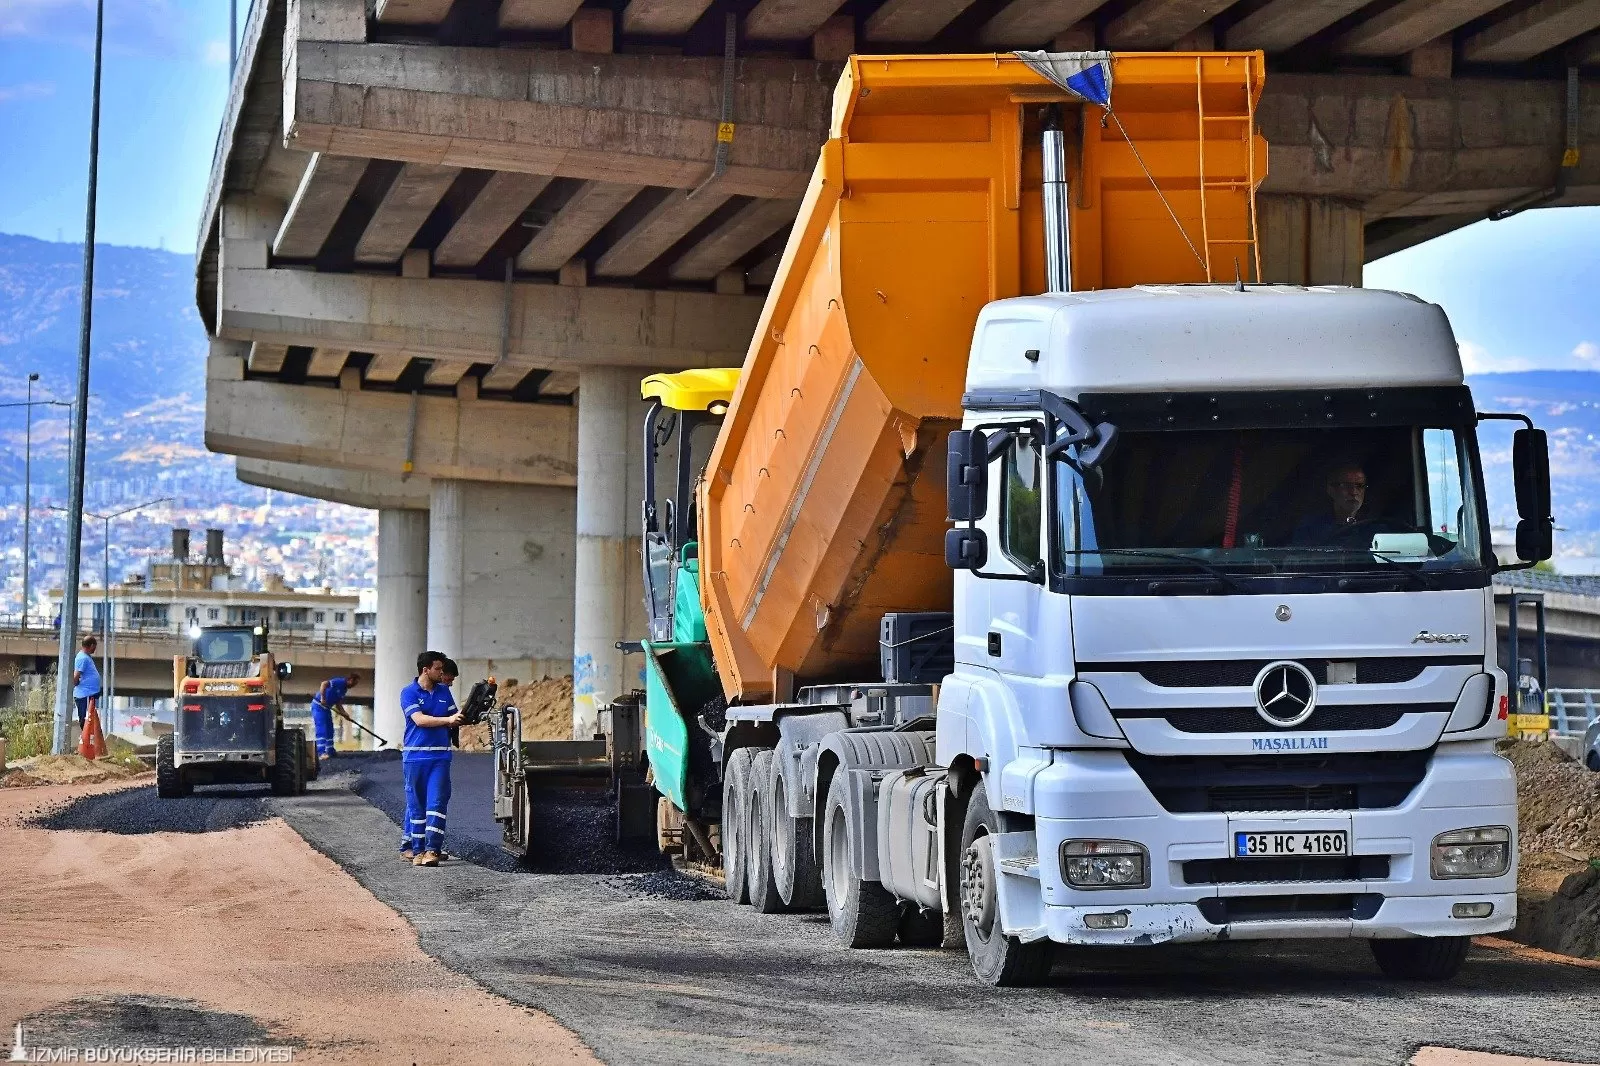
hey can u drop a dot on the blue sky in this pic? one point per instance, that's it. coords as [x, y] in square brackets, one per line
[1521, 293]
[165, 80]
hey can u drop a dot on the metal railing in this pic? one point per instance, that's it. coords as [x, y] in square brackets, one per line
[295, 637]
[1572, 710]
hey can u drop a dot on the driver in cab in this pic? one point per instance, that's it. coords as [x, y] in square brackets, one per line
[1346, 487]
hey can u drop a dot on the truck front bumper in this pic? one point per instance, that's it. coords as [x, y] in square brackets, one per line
[1095, 795]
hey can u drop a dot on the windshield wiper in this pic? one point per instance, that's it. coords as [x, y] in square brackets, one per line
[1210, 568]
[1394, 567]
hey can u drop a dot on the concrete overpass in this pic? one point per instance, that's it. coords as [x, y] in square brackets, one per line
[1572, 624]
[444, 238]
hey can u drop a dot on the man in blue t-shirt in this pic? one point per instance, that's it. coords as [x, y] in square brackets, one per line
[330, 694]
[85, 678]
[429, 712]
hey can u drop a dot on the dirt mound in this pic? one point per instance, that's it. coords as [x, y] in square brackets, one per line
[1567, 920]
[1558, 801]
[546, 707]
[62, 770]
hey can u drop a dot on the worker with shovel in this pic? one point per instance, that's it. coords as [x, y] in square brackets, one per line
[328, 700]
[430, 712]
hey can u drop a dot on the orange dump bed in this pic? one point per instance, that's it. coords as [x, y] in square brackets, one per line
[823, 505]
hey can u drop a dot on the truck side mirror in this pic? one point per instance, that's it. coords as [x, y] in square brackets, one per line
[966, 480]
[1530, 466]
[966, 548]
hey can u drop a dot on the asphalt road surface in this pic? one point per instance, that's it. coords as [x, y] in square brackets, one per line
[646, 978]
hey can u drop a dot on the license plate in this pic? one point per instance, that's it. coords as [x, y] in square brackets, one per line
[1290, 845]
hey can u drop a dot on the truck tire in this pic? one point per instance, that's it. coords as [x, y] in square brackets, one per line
[1423, 958]
[170, 782]
[794, 859]
[288, 771]
[735, 833]
[758, 836]
[999, 960]
[863, 914]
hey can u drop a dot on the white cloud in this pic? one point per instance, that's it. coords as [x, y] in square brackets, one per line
[1587, 352]
[32, 90]
[138, 27]
[214, 54]
[1476, 359]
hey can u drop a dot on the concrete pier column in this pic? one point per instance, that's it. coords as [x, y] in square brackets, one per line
[402, 614]
[1310, 240]
[610, 429]
[500, 566]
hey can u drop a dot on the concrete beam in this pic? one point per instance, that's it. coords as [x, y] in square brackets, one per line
[1411, 24]
[662, 18]
[1283, 24]
[646, 119]
[1546, 25]
[413, 12]
[787, 20]
[552, 326]
[328, 20]
[913, 20]
[669, 222]
[387, 367]
[267, 358]
[1032, 23]
[446, 373]
[545, 16]
[1156, 24]
[533, 444]
[357, 488]
[733, 239]
[324, 190]
[406, 205]
[326, 362]
[579, 219]
[491, 213]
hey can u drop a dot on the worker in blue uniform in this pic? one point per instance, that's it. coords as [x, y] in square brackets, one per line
[429, 711]
[330, 694]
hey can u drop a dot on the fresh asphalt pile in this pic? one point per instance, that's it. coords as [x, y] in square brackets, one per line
[134, 811]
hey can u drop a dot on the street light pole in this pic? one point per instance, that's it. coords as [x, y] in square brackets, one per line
[80, 411]
[27, 502]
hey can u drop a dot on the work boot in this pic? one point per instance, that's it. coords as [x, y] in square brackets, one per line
[407, 854]
[427, 858]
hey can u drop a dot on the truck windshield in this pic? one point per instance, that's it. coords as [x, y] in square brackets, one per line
[1274, 501]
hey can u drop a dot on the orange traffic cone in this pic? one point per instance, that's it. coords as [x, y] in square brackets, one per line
[92, 744]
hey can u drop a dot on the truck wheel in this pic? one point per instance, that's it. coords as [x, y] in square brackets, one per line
[735, 833]
[170, 782]
[794, 860]
[287, 775]
[1423, 958]
[862, 913]
[758, 836]
[999, 960]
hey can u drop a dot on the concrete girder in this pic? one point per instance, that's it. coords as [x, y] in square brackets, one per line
[405, 206]
[544, 16]
[326, 362]
[445, 373]
[1359, 138]
[662, 18]
[351, 429]
[622, 118]
[1584, 52]
[575, 224]
[787, 20]
[733, 239]
[1155, 24]
[357, 488]
[387, 367]
[460, 319]
[913, 20]
[267, 358]
[1409, 25]
[559, 383]
[412, 12]
[1031, 23]
[666, 224]
[1283, 24]
[1547, 24]
[763, 272]
[493, 211]
[324, 190]
[503, 378]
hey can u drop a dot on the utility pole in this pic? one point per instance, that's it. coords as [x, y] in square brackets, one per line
[233, 36]
[27, 503]
[80, 413]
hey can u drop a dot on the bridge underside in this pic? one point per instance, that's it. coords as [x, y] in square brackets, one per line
[436, 228]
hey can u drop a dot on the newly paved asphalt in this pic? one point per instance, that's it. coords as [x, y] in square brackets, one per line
[645, 976]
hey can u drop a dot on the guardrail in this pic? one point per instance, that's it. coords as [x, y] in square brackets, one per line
[11, 626]
[1572, 710]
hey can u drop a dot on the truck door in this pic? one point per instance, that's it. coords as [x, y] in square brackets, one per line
[1013, 578]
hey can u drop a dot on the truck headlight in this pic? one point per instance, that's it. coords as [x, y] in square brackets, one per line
[1104, 864]
[1484, 851]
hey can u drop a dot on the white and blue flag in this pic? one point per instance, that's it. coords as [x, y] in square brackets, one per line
[1086, 75]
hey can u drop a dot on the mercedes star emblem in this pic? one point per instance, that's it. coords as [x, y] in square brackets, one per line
[1286, 694]
[1283, 614]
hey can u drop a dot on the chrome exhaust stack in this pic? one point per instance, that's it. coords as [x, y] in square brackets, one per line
[1057, 227]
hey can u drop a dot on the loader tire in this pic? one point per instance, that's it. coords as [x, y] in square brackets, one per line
[764, 895]
[288, 774]
[794, 859]
[863, 913]
[1423, 958]
[735, 833]
[170, 782]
